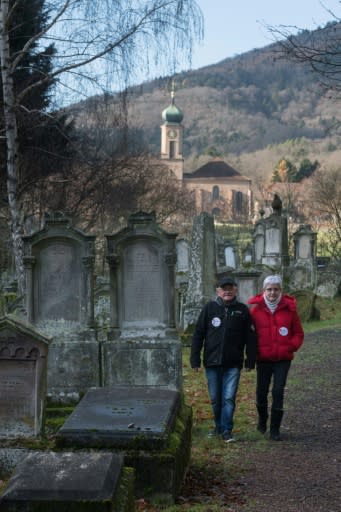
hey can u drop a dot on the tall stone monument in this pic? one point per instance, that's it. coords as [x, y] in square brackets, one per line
[142, 347]
[202, 270]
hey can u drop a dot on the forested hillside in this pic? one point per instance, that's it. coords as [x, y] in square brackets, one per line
[252, 110]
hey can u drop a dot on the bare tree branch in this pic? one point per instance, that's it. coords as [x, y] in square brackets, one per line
[319, 50]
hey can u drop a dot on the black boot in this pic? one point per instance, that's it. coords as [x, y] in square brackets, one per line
[262, 418]
[276, 418]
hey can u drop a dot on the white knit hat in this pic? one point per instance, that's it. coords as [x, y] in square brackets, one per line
[275, 279]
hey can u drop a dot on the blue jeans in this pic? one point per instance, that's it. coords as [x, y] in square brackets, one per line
[222, 388]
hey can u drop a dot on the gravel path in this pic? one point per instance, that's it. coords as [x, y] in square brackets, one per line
[301, 473]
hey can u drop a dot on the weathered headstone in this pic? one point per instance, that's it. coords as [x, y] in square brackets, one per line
[150, 425]
[248, 284]
[59, 263]
[230, 256]
[328, 282]
[23, 362]
[59, 267]
[121, 417]
[77, 481]
[143, 347]
[142, 261]
[302, 273]
[271, 235]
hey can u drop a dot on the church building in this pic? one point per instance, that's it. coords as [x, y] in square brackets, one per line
[218, 188]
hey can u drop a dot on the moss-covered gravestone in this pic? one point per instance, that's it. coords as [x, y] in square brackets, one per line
[151, 426]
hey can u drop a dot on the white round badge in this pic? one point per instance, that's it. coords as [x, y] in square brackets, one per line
[283, 331]
[216, 321]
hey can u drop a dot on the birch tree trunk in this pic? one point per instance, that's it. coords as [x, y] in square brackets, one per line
[11, 142]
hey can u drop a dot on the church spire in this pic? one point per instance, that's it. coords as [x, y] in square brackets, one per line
[171, 136]
[172, 114]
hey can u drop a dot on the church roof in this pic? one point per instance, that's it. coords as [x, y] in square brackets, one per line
[214, 169]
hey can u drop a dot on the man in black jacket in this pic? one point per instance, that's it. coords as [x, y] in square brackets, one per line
[225, 330]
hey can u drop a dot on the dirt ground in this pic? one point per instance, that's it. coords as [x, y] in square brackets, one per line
[300, 473]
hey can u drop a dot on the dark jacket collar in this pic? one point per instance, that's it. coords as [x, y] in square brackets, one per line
[220, 301]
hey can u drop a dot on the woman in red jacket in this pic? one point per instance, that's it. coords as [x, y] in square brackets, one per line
[280, 334]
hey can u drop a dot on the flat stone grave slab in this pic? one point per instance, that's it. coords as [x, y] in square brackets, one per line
[122, 417]
[51, 481]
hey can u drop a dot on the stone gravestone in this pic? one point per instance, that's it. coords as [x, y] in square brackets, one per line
[59, 262]
[248, 283]
[230, 256]
[73, 481]
[150, 425]
[23, 361]
[271, 235]
[302, 275]
[305, 242]
[143, 347]
[113, 417]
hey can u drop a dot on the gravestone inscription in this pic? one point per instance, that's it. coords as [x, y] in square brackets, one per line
[58, 282]
[272, 240]
[142, 261]
[142, 277]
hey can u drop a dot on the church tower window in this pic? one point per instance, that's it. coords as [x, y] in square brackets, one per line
[171, 149]
[215, 192]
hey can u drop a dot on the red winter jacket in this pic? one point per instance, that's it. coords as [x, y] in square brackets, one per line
[280, 333]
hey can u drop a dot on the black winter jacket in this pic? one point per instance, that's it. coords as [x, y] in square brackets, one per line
[226, 332]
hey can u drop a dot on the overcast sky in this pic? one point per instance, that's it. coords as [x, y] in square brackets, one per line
[233, 27]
